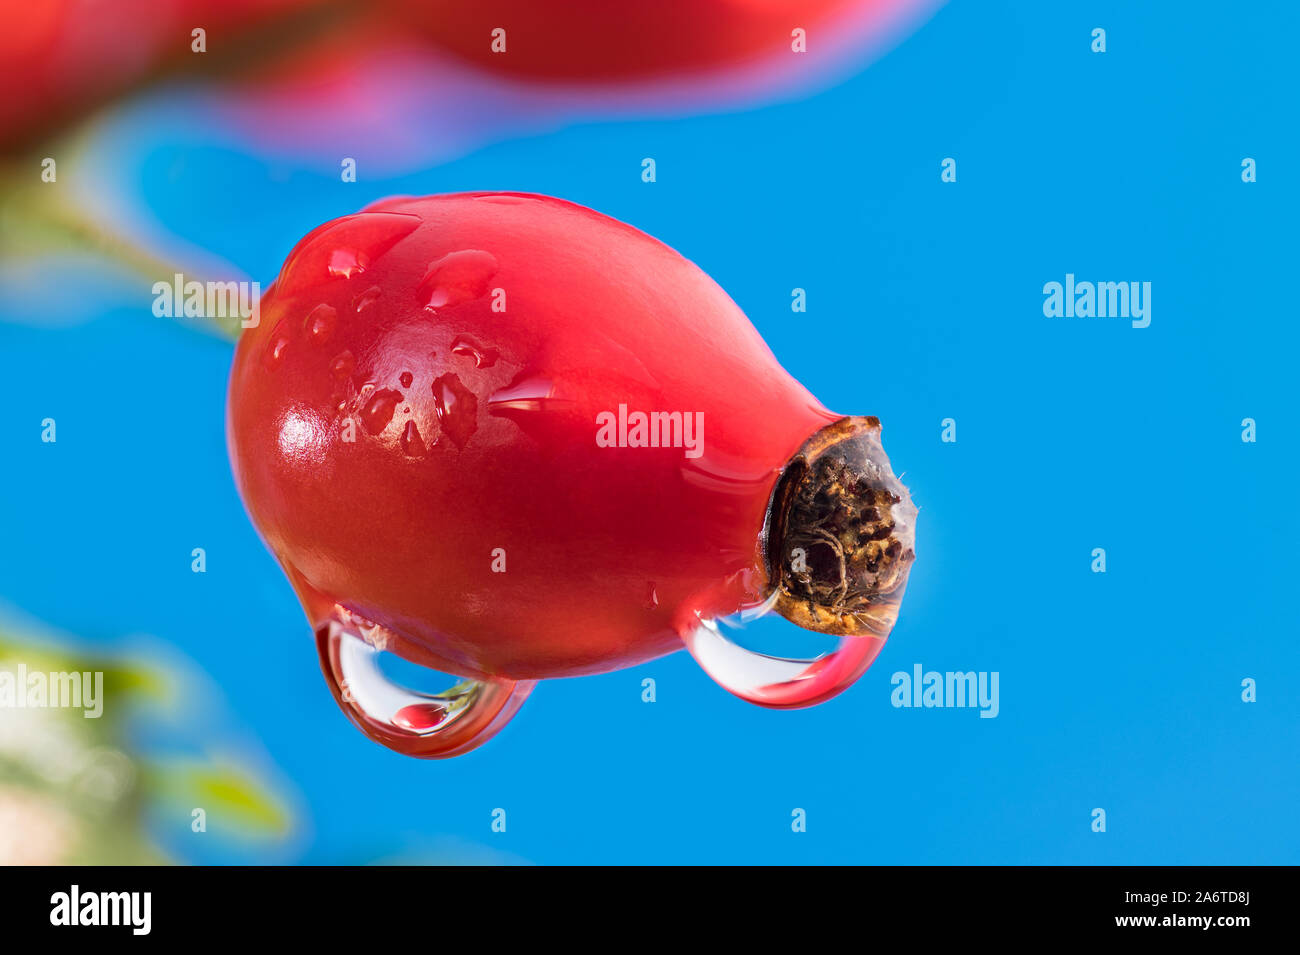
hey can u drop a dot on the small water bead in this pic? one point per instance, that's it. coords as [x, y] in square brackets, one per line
[319, 324]
[457, 408]
[342, 365]
[275, 353]
[406, 379]
[343, 248]
[378, 411]
[366, 299]
[468, 347]
[276, 347]
[412, 443]
[345, 263]
[456, 278]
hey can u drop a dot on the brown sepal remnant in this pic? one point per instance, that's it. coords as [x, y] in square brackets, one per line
[840, 533]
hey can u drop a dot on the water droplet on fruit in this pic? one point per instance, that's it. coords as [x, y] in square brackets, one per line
[379, 410]
[342, 365]
[527, 393]
[428, 725]
[319, 324]
[366, 299]
[531, 402]
[343, 247]
[276, 347]
[406, 379]
[412, 443]
[456, 278]
[484, 356]
[457, 408]
[651, 597]
[345, 263]
[771, 680]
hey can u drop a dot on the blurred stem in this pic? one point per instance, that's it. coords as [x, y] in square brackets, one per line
[38, 217]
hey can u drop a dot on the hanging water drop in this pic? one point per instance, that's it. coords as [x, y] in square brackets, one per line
[780, 682]
[426, 725]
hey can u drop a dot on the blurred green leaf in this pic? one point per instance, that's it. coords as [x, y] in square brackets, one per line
[77, 790]
[225, 792]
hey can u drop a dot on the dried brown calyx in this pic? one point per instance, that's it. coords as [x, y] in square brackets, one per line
[840, 533]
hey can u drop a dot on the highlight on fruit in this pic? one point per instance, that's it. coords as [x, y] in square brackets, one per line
[508, 438]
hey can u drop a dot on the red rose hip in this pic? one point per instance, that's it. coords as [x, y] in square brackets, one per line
[508, 438]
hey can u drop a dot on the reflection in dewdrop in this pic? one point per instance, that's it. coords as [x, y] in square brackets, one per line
[427, 725]
[770, 680]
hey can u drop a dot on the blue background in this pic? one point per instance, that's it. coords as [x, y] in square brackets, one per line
[1119, 690]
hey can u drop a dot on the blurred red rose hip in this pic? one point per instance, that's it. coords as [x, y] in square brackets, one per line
[594, 40]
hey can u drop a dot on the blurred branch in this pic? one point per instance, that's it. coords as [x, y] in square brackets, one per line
[37, 218]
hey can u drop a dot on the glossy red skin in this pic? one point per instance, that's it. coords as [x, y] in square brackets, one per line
[610, 551]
